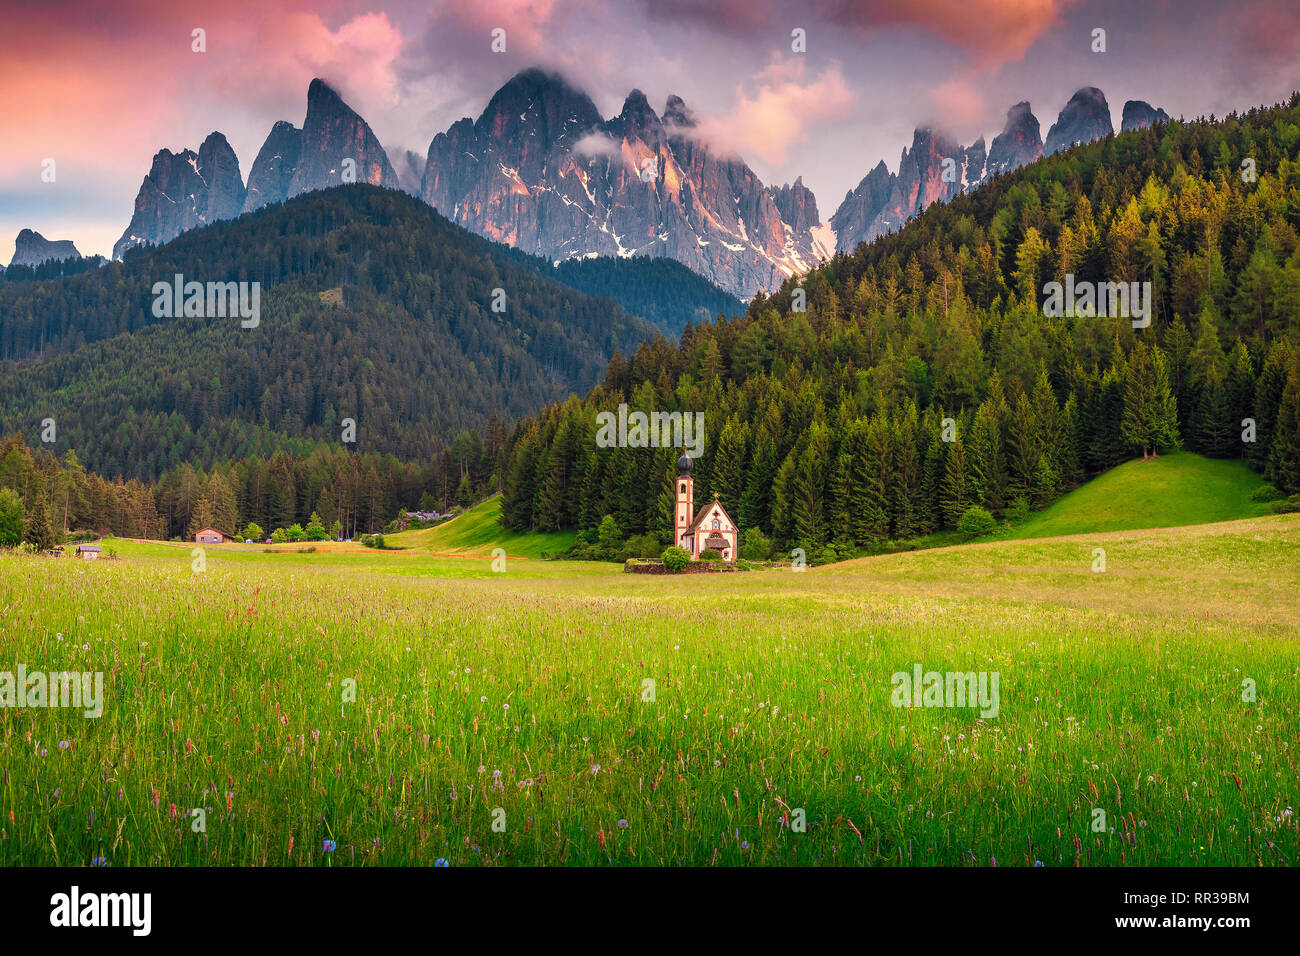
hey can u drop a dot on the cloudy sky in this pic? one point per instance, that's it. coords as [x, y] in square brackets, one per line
[100, 87]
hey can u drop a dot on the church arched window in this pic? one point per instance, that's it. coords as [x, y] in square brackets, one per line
[683, 487]
[716, 525]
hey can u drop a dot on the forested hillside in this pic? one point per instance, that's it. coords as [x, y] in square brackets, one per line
[828, 425]
[661, 290]
[373, 307]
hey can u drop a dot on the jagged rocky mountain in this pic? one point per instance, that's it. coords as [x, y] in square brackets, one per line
[883, 201]
[541, 170]
[184, 190]
[1019, 143]
[273, 169]
[294, 161]
[1085, 118]
[1139, 114]
[187, 189]
[31, 249]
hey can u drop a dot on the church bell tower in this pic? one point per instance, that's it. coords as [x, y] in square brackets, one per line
[685, 503]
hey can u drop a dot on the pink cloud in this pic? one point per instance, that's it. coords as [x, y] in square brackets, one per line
[992, 32]
[958, 104]
[782, 109]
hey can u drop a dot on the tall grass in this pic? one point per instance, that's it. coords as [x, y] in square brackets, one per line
[525, 691]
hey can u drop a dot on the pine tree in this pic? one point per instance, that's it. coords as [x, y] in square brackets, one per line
[755, 503]
[1268, 400]
[954, 493]
[1240, 386]
[729, 465]
[1150, 420]
[37, 529]
[905, 490]
[1212, 425]
[201, 517]
[807, 493]
[221, 499]
[1284, 457]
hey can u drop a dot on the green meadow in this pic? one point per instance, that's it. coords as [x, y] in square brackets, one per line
[478, 532]
[1164, 492]
[411, 708]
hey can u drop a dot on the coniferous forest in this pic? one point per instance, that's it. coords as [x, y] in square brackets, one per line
[827, 425]
[374, 308]
[920, 378]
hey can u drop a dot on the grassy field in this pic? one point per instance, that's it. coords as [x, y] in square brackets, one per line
[477, 533]
[520, 697]
[1165, 492]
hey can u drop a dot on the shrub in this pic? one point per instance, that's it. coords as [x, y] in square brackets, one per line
[278, 536]
[827, 555]
[316, 529]
[710, 554]
[1287, 505]
[1266, 493]
[1018, 510]
[675, 559]
[253, 532]
[845, 548]
[757, 546]
[608, 534]
[12, 518]
[642, 546]
[975, 522]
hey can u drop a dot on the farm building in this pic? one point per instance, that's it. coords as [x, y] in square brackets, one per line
[211, 536]
[89, 552]
[712, 527]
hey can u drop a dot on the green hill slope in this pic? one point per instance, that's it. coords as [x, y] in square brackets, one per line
[373, 307]
[477, 532]
[1165, 492]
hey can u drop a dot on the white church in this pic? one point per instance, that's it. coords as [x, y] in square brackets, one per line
[711, 527]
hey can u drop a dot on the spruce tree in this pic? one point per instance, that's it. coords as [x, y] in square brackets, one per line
[1284, 456]
[954, 493]
[37, 529]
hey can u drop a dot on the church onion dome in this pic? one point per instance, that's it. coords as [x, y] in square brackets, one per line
[683, 466]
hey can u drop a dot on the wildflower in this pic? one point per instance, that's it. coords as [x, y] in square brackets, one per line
[330, 846]
[441, 861]
[63, 745]
[595, 769]
[622, 824]
[98, 861]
